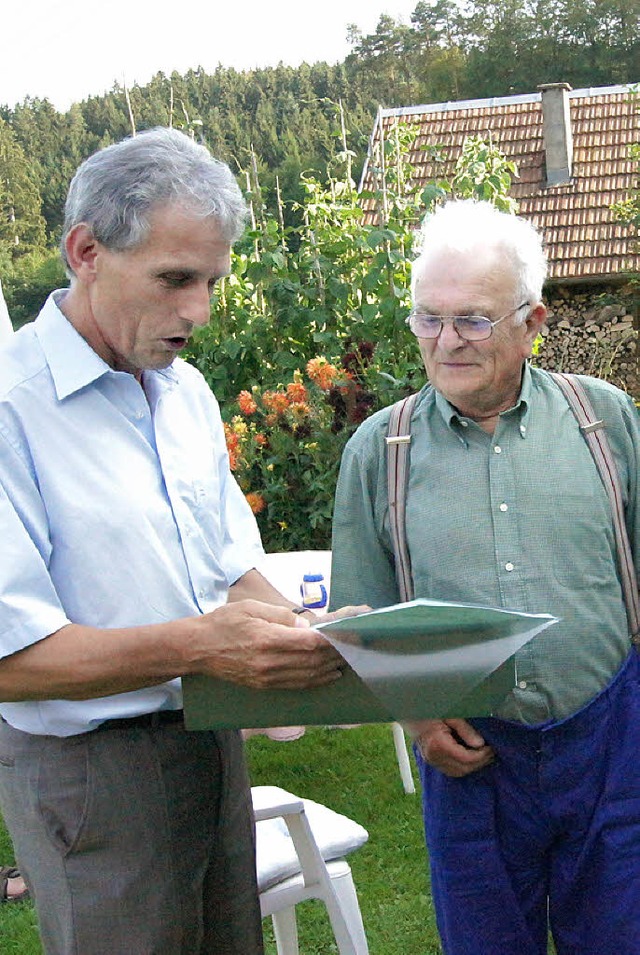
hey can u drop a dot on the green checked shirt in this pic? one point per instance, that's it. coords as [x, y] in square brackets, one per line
[518, 520]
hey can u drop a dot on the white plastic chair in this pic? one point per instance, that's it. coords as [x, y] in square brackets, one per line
[402, 755]
[300, 855]
[284, 571]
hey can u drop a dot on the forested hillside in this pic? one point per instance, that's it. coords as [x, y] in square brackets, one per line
[283, 120]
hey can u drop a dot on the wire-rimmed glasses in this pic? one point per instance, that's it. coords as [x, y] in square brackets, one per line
[471, 328]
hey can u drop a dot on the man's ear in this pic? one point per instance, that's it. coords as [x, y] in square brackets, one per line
[81, 247]
[535, 321]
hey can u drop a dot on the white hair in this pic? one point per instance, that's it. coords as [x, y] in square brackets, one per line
[475, 227]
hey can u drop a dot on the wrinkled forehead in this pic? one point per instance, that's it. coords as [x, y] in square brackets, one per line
[463, 280]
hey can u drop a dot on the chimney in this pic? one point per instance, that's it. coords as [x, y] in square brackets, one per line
[556, 132]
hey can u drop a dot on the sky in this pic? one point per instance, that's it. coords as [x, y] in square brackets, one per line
[66, 50]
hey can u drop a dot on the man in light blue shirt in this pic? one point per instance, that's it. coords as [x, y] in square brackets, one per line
[128, 561]
[14, 885]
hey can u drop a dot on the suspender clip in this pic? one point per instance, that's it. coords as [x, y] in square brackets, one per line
[593, 426]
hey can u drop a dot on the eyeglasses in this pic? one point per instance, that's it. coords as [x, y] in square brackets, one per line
[471, 328]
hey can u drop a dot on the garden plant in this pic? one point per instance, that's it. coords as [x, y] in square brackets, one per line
[308, 333]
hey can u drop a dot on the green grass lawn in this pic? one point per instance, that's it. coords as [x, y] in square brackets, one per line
[18, 934]
[354, 772]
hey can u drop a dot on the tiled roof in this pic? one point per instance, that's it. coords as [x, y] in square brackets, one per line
[584, 240]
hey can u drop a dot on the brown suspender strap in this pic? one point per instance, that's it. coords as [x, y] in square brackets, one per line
[595, 435]
[398, 441]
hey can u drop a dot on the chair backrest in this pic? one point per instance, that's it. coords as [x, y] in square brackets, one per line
[278, 855]
[294, 866]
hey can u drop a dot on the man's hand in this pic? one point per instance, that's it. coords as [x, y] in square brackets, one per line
[264, 646]
[452, 746]
[341, 613]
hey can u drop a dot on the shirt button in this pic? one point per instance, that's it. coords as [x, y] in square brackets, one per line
[508, 566]
[464, 424]
[139, 415]
[202, 593]
[504, 507]
[522, 684]
[498, 449]
[523, 429]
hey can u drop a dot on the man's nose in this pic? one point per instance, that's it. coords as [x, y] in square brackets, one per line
[195, 305]
[449, 337]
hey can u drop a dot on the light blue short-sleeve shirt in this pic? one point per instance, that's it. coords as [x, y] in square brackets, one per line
[117, 506]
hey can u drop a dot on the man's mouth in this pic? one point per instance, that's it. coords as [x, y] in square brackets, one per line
[176, 342]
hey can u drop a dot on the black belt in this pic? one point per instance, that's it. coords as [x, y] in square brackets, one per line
[151, 721]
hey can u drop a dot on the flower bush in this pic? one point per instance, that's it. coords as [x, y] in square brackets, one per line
[285, 445]
[290, 350]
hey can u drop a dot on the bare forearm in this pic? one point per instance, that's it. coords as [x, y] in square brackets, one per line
[246, 642]
[253, 586]
[80, 662]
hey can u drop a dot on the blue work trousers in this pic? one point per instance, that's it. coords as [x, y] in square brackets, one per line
[547, 836]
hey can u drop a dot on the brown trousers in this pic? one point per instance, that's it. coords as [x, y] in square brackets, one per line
[134, 841]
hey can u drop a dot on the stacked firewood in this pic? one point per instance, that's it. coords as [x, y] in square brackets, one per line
[592, 334]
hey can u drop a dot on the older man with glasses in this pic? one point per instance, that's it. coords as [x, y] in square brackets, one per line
[532, 816]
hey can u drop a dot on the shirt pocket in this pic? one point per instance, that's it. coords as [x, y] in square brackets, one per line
[582, 544]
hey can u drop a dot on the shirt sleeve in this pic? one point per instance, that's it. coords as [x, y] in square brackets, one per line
[242, 545]
[362, 564]
[29, 606]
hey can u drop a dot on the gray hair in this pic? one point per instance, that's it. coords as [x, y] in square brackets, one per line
[470, 226]
[115, 191]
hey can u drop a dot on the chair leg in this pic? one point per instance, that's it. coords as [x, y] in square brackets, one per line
[354, 941]
[402, 754]
[285, 930]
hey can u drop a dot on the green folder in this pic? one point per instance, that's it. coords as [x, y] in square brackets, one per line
[417, 660]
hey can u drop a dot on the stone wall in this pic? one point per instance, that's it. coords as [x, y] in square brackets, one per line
[593, 331]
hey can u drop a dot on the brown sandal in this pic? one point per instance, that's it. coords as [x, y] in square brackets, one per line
[10, 872]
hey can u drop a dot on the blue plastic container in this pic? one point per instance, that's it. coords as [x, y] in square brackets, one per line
[313, 591]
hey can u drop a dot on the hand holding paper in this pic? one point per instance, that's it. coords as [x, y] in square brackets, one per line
[262, 646]
[416, 661]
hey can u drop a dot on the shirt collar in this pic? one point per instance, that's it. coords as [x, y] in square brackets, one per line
[72, 361]
[453, 418]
